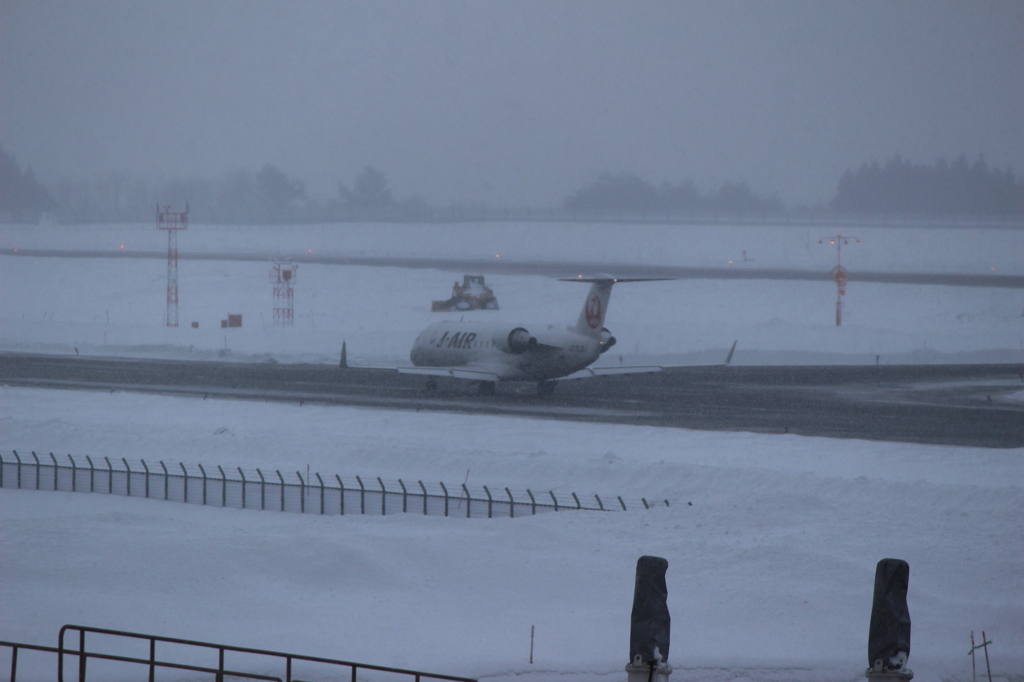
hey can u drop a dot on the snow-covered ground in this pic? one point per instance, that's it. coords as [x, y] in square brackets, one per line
[897, 249]
[117, 306]
[771, 540]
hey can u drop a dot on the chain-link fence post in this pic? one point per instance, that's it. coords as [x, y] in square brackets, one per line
[281, 478]
[55, 469]
[263, 490]
[223, 487]
[167, 478]
[184, 479]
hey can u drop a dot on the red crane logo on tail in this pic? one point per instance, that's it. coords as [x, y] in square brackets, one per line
[593, 312]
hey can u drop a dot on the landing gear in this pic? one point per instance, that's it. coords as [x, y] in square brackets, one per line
[487, 388]
[545, 387]
[431, 385]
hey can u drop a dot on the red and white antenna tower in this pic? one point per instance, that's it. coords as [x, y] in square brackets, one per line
[172, 222]
[283, 276]
[839, 273]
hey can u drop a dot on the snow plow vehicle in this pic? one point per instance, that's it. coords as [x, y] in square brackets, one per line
[472, 294]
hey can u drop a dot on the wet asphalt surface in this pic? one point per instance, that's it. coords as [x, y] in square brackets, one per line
[938, 404]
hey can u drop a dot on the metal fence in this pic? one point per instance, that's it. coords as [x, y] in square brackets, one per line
[107, 657]
[275, 490]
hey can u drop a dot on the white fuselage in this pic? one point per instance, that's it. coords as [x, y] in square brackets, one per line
[537, 355]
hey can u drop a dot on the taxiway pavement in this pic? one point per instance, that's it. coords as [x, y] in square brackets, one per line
[939, 404]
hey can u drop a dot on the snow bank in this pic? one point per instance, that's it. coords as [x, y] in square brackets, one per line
[771, 541]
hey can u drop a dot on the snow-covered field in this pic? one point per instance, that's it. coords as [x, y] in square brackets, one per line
[771, 540]
[117, 306]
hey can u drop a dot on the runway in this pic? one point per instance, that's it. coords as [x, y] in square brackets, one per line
[938, 404]
[554, 269]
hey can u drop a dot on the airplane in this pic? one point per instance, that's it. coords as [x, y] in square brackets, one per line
[489, 352]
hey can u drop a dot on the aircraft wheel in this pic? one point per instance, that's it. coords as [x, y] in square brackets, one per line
[545, 387]
[487, 388]
[431, 385]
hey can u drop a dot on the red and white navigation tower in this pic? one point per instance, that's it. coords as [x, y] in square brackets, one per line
[172, 222]
[283, 276]
[839, 273]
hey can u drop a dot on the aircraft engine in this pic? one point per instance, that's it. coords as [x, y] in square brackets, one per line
[607, 340]
[518, 341]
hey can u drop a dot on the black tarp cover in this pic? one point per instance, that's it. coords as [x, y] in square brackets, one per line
[890, 618]
[650, 623]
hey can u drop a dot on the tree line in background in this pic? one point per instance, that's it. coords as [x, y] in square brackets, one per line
[20, 192]
[271, 196]
[268, 196]
[626, 191]
[959, 188]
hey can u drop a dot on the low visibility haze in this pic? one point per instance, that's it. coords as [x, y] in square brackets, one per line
[510, 104]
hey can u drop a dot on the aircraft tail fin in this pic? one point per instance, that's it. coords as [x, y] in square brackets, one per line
[591, 319]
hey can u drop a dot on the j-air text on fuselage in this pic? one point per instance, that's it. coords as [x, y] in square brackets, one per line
[489, 352]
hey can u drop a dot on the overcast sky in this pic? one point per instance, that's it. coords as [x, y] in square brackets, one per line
[510, 103]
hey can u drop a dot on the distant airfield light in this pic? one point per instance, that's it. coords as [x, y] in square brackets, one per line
[839, 273]
[311, 251]
[497, 255]
[122, 246]
[730, 262]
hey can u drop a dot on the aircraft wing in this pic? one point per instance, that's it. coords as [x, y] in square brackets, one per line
[588, 372]
[475, 374]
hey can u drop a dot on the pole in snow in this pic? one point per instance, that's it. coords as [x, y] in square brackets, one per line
[889, 634]
[839, 273]
[650, 623]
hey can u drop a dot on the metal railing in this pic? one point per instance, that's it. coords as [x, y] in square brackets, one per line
[15, 647]
[152, 663]
[222, 650]
[287, 492]
[242, 657]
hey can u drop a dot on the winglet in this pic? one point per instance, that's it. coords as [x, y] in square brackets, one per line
[732, 350]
